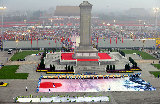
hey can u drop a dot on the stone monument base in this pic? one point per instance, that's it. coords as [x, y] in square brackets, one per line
[87, 63]
[90, 69]
[86, 53]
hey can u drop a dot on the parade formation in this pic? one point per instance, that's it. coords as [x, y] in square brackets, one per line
[76, 55]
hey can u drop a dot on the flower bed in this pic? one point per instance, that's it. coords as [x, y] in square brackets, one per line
[125, 71]
[41, 70]
[65, 99]
[120, 71]
[4, 85]
[47, 70]
[135, 69]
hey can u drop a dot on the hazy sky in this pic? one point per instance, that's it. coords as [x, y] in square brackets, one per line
[98, 5]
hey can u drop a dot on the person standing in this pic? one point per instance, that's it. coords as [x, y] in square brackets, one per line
[49, 90]
[54, 85]
[26, 88]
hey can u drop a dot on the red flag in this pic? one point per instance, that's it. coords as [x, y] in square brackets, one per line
[62, 39]
[110, 40]
[116, 40]
[134, 38]
[97, 39]
[61, 24]
[37, 41]
[31, 40]
[122, 39]
[69, 24]
[68, 39]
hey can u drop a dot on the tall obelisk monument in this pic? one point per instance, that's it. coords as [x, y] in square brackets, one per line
[85, 49]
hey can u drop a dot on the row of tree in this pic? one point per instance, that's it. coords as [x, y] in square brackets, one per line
[42, 65]
[133, 62]
[48, 50]
[69, 68]
[110, 67]
[122, 53]
[127, 67]
[52, 68]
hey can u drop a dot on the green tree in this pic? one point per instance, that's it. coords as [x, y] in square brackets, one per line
[42, 65]
[107, 67]
[50, 67]
[126, 67]
[69, 68]
[114, 67]
[54, 68]
[135, 65]
[111, 67]
[72, 68]
[66, 68]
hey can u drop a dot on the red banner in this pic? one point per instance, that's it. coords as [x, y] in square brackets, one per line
[62, 39]
[31, 40]
[116, 40]
[37, 41]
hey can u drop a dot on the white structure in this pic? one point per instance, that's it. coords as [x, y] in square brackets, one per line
[85, 49]
[127, 43]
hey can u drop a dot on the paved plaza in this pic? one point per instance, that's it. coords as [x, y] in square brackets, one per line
[17, 87]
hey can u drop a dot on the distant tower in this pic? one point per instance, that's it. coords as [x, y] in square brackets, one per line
[85, 49]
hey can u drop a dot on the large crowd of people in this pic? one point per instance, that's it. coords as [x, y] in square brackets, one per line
[65, 32]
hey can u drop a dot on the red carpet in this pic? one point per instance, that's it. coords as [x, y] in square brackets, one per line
[104, 56]
[87, 59]
[68, 56]
[49, 85]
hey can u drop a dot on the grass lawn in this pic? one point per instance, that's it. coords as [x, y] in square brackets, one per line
[8, 72]
[157, 66]
[144, 55]
[155, 73]
[23, 54]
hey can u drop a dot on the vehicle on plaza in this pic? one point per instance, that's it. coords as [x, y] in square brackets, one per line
[9, 51]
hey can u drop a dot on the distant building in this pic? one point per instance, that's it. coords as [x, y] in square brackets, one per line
[136, 12]
[67, 11]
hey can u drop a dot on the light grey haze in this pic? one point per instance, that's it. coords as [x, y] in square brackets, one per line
[98, 5]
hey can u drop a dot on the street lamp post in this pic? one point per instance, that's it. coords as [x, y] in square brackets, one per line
[2, 8]
[139, 22]
[108, 26]
[16, 45]
[25, 21]
[144, 26]
[156, 10]
[51, 21]
[114, 24]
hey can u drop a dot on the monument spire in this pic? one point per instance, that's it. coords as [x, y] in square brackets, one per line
[85, 49]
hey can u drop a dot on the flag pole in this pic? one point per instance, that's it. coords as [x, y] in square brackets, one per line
[31, 43]
[37, 42]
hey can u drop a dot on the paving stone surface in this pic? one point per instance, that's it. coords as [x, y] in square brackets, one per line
[17, 87]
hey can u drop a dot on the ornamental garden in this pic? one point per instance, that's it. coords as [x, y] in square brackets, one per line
[63, 78]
